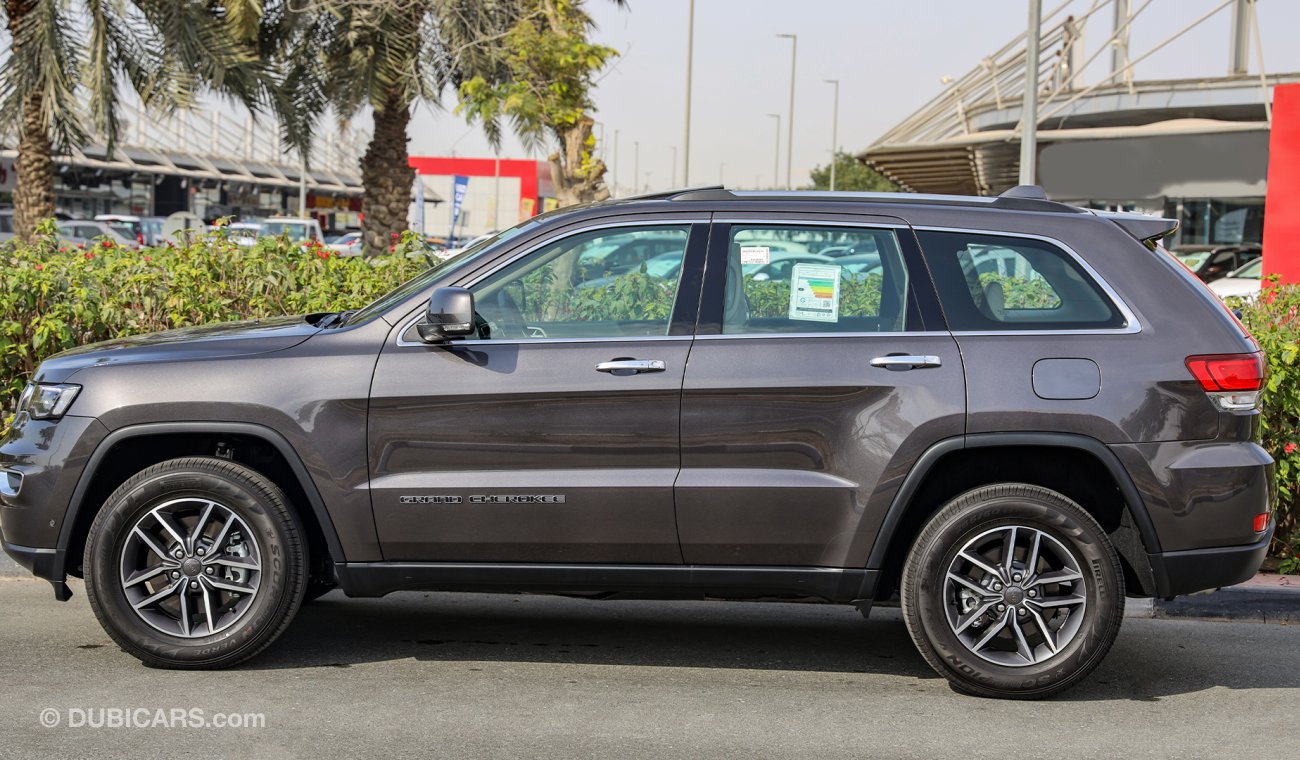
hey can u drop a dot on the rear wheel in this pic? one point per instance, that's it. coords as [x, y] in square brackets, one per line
[1013, 591]
[195, 563]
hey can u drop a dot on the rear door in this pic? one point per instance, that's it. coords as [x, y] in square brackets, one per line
[809, 396]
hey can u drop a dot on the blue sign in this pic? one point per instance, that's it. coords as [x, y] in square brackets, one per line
[459, 185]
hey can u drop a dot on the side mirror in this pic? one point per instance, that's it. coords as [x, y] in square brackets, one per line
[450, 314]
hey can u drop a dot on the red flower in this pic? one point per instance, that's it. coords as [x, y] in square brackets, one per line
[89, 255]
[1289, 448]
[108, 244]
[146, 258]
[81, 246]
[394, 235]
[63, 249]
[39, 267]
[392, 248]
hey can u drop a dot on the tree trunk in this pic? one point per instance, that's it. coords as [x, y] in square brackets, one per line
[34, 170]
[387, 178]
[578, 176]
[34, 167]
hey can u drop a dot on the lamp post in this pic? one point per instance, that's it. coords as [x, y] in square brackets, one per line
[835, 125]
[686, 137]
[1029, 111]
[789, 140]
[776, 159]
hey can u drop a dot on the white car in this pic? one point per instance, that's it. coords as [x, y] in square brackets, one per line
[347, 244]
[1242, 283]
[298, 230]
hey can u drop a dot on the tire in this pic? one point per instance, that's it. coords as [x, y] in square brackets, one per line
[949, 619]
[236, 584]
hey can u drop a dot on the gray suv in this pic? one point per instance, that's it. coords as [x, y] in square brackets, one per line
[1011, 413]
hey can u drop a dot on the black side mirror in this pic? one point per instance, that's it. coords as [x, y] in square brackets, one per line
[450, 314]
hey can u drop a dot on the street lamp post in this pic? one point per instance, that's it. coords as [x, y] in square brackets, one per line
[776, 159]
[835, 126]
[686, 138]
[1029, 111]
[789, 140]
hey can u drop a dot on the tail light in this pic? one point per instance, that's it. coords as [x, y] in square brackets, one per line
[1232, 381]
[1261, 522]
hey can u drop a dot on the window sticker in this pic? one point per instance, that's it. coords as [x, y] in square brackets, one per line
[755, 254]
[815, 293]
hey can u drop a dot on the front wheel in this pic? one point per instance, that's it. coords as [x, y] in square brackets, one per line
[195, 563]
[1013, 591]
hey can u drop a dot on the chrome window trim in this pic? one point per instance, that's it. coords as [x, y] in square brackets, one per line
[531, 341]
[563, 235]
[901, 335]
[809, 222]
[1131, 324]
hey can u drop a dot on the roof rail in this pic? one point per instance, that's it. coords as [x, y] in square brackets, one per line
[669, 194]
[1025, 191]
[1008, 202]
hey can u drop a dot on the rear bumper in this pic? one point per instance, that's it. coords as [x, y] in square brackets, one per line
[1185, 572]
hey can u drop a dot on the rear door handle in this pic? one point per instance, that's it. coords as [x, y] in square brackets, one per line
[906, 362]
[631, 366]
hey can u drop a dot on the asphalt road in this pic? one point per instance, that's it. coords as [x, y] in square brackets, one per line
[467, 675]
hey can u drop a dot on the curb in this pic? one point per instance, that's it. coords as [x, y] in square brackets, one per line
[1242, 604]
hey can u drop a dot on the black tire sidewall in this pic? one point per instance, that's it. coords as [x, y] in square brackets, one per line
[1103, 585]
[281, 575]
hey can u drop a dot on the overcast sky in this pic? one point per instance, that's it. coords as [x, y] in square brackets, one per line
[889, 56]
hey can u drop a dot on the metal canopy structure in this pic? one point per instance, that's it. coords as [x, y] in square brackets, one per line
[209, 145]
[967, 139]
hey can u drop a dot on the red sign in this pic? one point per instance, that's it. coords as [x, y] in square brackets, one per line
[1282, 202]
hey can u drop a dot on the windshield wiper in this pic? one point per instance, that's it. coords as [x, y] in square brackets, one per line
[337, 319]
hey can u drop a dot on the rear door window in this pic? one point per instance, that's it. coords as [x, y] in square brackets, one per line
[778, 282]
[998, 283]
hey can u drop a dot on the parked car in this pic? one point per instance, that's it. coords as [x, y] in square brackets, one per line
[1210, 262]
[298, 230]
[84, 229]
[1013, 471]
[128, 226]
[1244, 283]
[780, 265]
[347, 244]
[244, 233]
[153, 229]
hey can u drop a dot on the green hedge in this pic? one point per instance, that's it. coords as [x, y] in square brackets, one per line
[55, 298]
[1273, 320]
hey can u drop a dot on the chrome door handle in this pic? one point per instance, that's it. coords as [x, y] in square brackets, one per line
[631, 366]
[906, 362]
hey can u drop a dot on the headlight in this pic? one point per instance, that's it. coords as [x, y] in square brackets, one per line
[44, 401]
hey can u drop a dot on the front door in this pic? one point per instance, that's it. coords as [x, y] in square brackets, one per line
[821, 370]
[551, 435]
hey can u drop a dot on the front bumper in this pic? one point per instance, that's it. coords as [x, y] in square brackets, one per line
[1185, 572]
[43, 563]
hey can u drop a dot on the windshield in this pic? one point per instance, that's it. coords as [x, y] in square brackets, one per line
[1251, 271]
[296, 230]
[421, 281]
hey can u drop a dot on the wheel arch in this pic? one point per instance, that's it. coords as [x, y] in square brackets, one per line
[955, 465]
[151, 443]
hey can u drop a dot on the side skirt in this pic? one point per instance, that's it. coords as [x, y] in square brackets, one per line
[370, 579]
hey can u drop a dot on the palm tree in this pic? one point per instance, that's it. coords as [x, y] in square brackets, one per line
[69, 63]
[388, 56]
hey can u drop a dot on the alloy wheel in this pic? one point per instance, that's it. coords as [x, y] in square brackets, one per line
[1014, 596]
[190, 567]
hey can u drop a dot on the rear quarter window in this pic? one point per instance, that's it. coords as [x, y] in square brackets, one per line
[1004, 283]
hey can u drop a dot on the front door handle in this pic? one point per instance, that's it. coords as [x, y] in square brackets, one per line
[897, 362]
[631, 366]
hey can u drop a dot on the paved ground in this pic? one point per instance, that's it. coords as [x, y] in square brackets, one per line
[441, 675]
